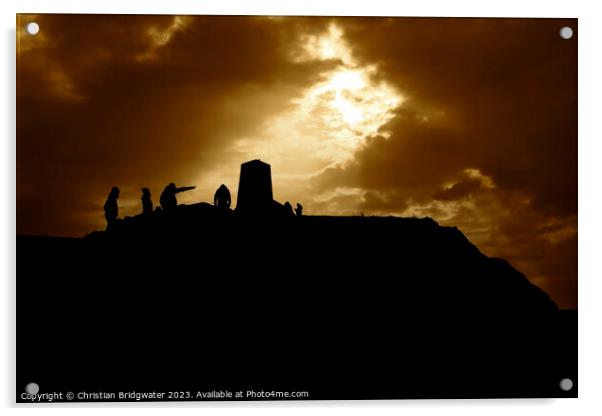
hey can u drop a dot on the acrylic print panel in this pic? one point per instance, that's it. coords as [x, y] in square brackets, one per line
[295, 208]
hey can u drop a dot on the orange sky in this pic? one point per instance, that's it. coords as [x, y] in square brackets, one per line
[472, 122]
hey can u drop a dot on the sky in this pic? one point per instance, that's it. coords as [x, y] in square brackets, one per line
[472, 122]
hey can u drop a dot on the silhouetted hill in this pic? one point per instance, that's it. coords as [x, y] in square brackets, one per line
[343, 307]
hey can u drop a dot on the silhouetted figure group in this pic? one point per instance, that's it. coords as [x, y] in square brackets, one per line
[288, 209]
[168, 201]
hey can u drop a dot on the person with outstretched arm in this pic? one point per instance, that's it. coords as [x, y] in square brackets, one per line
[168, 198]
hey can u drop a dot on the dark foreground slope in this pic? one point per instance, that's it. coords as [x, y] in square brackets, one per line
[343, 308]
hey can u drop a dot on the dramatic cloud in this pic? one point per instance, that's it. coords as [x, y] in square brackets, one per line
[470, 121]
[487, 139]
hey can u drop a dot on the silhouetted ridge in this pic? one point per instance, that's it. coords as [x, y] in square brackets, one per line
[438, 265]
[345, 307]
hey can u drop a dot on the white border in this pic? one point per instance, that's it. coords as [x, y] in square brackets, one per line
[590, 209]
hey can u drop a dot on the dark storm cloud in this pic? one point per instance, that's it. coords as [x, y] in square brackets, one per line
[501, 92]
[459, 190]
[140, 101]
[414, 161]
[497, 96]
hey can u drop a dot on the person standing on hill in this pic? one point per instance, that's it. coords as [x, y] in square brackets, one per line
[147, 202]
[111, 208]
[222, 198]
[288, 209]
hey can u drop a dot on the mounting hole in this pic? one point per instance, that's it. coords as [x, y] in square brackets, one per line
[32, 28]
[32, 388]
[566, 384]
[566, 32]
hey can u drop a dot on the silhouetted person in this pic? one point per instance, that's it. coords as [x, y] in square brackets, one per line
[168, 197]
[288, 209]
[221, 199]
[299, 210]
[111, 208]
[147, 202]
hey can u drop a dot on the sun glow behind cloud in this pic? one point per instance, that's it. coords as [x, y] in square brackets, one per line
[158, 38]
[324, 126]
[349, 103]
[324, 46]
